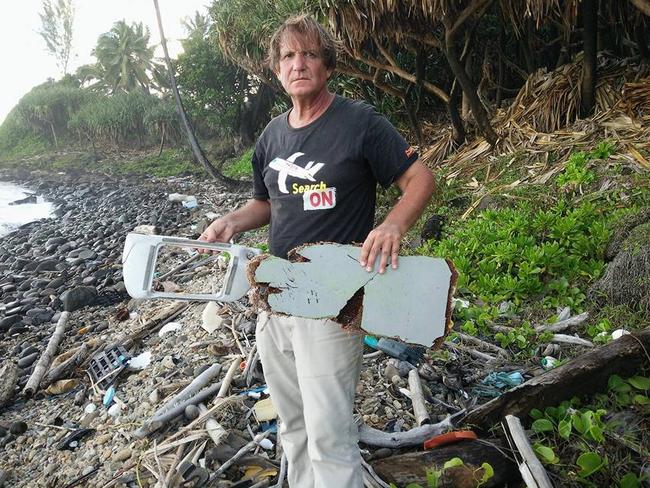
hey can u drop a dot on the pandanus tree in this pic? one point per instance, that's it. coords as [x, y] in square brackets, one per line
[446, 50]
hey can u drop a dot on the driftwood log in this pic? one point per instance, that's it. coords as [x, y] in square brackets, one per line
[58, 372]
[192, 394]
[8, 380]
[48, 355]
[583, 375]
[414, 437]
[153, 324]
[412, 467]
[417, 399]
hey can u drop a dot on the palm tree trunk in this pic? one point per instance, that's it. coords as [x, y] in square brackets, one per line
[589, 62]
[457, 125]
[198, 153]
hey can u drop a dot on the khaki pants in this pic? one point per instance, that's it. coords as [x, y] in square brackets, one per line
[312, 368]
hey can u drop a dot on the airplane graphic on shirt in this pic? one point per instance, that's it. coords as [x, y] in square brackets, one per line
[287, 166]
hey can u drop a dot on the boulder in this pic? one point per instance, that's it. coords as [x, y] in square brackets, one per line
[79, 297]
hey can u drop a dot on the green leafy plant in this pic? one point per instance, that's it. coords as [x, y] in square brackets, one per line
[572, 437]
[600, 332]
[517, 254]
[482, 474]
[240, 167]
[633, 390]
[576, 172]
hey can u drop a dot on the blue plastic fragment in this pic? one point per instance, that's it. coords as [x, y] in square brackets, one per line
[271, 426]
[108, 396]
[503, 379]
[259, 389]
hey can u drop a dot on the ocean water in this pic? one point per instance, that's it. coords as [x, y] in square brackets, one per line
[13, 216]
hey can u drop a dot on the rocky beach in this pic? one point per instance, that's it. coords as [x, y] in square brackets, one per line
[68, 433]
[73, 262]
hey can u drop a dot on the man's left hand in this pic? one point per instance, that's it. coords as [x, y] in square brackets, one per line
[383, 242]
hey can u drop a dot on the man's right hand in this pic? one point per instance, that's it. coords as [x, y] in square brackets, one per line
[220, 230]
[254, 214]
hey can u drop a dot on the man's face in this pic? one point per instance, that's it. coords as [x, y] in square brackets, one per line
[302, 71]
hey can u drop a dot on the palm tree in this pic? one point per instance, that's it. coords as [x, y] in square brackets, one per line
[197, 26]
[124, 59]
[197, 151]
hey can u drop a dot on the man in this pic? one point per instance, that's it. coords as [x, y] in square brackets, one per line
[315, 173]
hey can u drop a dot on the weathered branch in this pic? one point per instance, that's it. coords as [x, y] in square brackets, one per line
[563, 324]
[531, 469]
[154, 323]
[417, 399]
[413, 437]
[48, 355]
[9, 375]
[427, 85]
[66, 366]
[453, 26]
[583, 375]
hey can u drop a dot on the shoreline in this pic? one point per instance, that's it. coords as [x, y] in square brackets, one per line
[81, 245]
[73, 261]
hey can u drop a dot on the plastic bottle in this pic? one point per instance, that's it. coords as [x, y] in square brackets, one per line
[395, 348]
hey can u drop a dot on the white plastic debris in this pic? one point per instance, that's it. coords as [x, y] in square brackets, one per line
[140, 361]
[177, 197]
[210, 320]
[548, 362]
[618, 333]
[601, 335]
[90, 408]
[406, 392]
[564, 314]
[115, 410]
[190, 202]
[265, 444]
[146, 229]
[458, 303]
[133, 315]
[169, 327]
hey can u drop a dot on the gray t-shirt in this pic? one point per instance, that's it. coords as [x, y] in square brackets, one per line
[321, 179]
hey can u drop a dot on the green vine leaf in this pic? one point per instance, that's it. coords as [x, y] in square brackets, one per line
[589, 462]
[542, 425]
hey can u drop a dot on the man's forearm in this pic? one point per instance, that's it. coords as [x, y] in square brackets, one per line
[254, 214]
[417, 185]
[416, 189]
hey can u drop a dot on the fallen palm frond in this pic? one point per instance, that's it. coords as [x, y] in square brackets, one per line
[545, 117]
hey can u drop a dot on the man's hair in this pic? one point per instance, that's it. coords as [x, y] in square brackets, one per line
[305, 26]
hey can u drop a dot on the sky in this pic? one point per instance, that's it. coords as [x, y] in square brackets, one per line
[26, 63]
